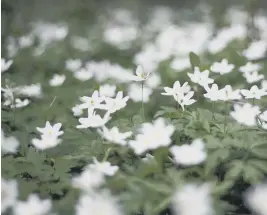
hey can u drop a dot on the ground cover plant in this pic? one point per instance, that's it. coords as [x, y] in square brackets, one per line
[139, 117]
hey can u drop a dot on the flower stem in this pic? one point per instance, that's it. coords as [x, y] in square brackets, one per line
[143, 109]
[106, 154]
[213, 107]
[225, 107]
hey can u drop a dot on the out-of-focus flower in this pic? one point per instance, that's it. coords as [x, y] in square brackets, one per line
[245, 114]
[194, 195]
[20, 103]
[250, 67]
[80, 43]
[88, 180]
[98, 203]
[9, 144]
[152, 136]
[213, 93]
[114, 104]
[120, 36]
[137, 95]
[103, 167]
[73, 64]
[33, 206]
[9, 194]
[255, 50]
[33, 90]
[254, 92]
[188, 155]
[77, 111]
[222, 67]
[113, 135]
[107, 90]
[180, 64]
[227, 93]
[264, 84]
[83, 74]
[256, 198]
[153, 81]
[26, 41]
[57, 80]
[201, 78]
[93, 120]
[252, 77]
[5, 64]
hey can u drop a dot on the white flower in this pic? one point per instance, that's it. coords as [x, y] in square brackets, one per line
[252, 77]
[9, 144]
[114, 135]
[103, 167]
[91, 102]
[94, 120]
[201, 78]
[264, 84]
[120, 36]
[77, 111]
[80, 43]
[46, 141]
[5, 64]
[26, 41]
[57, 80]
[83, 74]
[254, 93]
[98, 204]
[136, 94]
[245, 114]
[185, 99]
[213, 93]
[256, 50]
[222, 67]
[33, 90]
[153, 81]
[188, 155]
[152, 136]
[256, 199]
[20, 103]
[180, 64]
[88, 180]
[114, 104]
[9, 194]
[250, 67]
[49, 130]
[107, 90]
[141, 75]
[229, 94]
[73, 65]
[33, 206]
[8, 94]
[193, 199]
[177, 89]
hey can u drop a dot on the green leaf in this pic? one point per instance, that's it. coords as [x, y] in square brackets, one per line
[236, 168]
[194, 60]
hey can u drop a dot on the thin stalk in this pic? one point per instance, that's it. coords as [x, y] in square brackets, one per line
[143, 109]
[213, 107]
[106, 154]
[225, 107]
